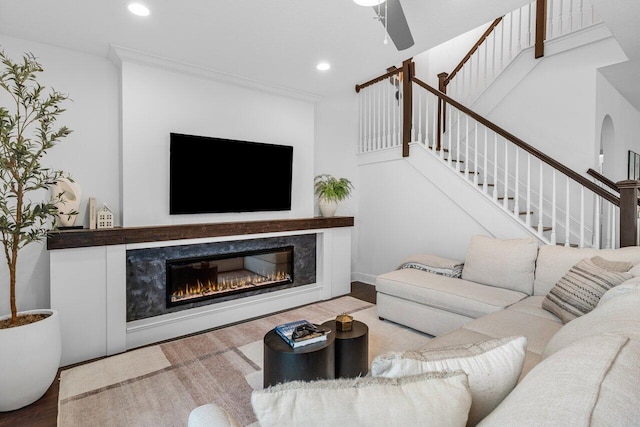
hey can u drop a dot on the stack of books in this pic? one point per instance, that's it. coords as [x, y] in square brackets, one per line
[301, 333]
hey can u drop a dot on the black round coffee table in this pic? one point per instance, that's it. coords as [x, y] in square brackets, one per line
[283, 363]
[351, 350]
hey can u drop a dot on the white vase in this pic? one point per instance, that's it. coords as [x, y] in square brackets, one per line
[29, 360]
[327, 207]
[69, 200]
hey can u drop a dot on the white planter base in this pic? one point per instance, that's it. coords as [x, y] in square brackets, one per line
[29, 360]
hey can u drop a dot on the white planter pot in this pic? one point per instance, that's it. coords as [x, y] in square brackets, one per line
[327, 207]
[29, 360]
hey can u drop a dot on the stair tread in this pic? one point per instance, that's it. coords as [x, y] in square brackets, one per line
[572, 245]
[502, 198]
[525, 212]
[488, 185]
[446, 150]
[470, 172]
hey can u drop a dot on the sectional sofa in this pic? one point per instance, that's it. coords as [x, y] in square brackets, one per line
[571, 369]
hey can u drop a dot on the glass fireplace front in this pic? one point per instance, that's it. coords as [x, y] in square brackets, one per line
[196, 279]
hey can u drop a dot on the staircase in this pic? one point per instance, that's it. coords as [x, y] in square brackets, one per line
[548, 200]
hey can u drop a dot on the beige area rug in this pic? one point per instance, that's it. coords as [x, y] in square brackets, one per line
[161, 384]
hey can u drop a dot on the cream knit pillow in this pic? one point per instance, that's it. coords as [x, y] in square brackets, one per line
[431, 399]
[493, 367]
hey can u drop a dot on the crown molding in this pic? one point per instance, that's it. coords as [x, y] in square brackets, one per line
[119, 54]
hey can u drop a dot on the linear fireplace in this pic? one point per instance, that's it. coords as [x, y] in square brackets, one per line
[208, 277]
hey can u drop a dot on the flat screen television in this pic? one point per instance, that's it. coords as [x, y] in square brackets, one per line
[216, 175]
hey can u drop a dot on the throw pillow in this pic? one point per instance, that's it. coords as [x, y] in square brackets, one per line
[580, 289]
[619, 266]
[434, 264]
[493, 367]
[507, 264]
[435, 399]
[631, 285]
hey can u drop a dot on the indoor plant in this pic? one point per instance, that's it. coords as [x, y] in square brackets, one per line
[29, 341]
[330, 191]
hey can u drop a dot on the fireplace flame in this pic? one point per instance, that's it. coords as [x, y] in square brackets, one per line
[227, 284]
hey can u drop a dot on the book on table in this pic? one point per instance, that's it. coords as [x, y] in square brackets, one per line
[301, 333]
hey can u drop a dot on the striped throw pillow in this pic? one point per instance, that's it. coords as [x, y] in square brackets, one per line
[579, 291]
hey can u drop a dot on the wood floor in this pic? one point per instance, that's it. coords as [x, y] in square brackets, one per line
[44, 412]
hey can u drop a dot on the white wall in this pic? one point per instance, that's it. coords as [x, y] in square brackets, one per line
[158, 101]
[626, 125]
[446, 56]
[336, 130]
[400, 213]
[89, 154]
[553, 107]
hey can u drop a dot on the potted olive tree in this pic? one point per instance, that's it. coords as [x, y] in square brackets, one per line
[330, 191]
[30, 344]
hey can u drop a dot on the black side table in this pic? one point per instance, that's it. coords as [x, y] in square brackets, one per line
[352, 350]
[283, 363]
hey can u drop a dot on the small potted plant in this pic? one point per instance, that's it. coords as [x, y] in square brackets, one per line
[330, 191]
[30, 343]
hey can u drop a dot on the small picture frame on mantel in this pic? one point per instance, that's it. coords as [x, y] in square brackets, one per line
[634, 166]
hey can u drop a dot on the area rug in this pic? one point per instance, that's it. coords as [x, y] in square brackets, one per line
[160, 385]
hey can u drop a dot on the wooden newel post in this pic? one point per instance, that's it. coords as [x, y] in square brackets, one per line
[442, 108]
[541, 27]
[407, 104]
[628, 212]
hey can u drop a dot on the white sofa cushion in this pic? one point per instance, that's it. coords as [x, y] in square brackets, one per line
[454, 295]
[554, 261]
[567, 388]
[619, 315]
[211, 415]
[436, 399]
[580, 289]
[507, 264]
[493, 367]
[533, 305]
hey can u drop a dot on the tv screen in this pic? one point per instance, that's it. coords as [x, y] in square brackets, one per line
[215, 175]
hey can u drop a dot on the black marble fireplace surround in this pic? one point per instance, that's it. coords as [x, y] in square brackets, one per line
[147, 271]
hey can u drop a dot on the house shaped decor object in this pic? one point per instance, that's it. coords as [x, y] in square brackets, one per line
[104, 217]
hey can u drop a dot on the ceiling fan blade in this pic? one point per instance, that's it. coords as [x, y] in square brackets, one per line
[397, 26]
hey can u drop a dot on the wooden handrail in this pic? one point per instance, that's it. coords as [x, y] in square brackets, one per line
[603, 179]
[378, 79]
[523, 145]
[475, 47]
[606, 181]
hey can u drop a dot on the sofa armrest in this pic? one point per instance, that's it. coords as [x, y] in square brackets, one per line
[211, 415]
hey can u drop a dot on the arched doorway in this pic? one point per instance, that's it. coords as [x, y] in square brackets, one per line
[607, 167]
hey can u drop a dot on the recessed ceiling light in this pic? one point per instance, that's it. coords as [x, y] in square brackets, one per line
[323, 66]
[368, 2]
[138, 9]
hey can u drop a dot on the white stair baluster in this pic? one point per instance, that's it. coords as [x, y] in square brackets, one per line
[582, 224]
[458, 143]
[475, 164]
[495, 164]
[449, 114]
[553, 209]
[505, 201]
[596, 222]
[516, 204]
[527, 220]
[485, 169]
[540, 203]
[511, 54]
[567, 225]
[420, 116]
[519, 30]
[549, 19]
[570, 15]
[612, 228]
[434, 126]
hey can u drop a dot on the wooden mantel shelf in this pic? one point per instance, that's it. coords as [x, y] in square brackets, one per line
[124, 235]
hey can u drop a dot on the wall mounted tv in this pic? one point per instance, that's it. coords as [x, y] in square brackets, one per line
[215, 175]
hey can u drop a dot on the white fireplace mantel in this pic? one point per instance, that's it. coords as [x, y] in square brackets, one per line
[88, 282]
